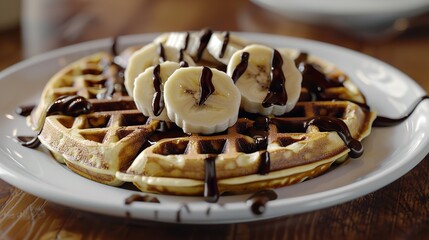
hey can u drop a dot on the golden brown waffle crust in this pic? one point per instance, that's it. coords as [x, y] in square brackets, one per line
[105, 152]
[311, 154]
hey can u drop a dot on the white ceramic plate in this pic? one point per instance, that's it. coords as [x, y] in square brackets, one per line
[389, 152]
[346, 13]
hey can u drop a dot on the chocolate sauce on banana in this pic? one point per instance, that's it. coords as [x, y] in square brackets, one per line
[158, 96]
[206, 85]
[182, 61]
[259, 199]
[388, 122]
[241, 67]
[211, 191]
[276, 92]
[64, 105]
[224, 44]
[185, 45]
[161, 53]
[204, 40]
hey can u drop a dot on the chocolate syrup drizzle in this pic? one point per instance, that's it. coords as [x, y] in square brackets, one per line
[259, 199]
[224, 44]
[381, 121]
[161, 53]
[211, 192]
[141, 198]
[115, 83]
[179, 212]
[158, 96]
[314, 80]
[259, 132]
[182, 62]
[241, 67]
[204, 40]
[64, 105]
[276, 93]
[24, 110]
[206, 85]
[325, 124]
[185, 45]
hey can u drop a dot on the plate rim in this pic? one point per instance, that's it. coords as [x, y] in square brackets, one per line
[343, 8]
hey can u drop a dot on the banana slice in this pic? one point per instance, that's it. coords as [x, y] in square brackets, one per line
[151, 55]
[201, 100]
[149, 90]
[193, 43]
[268, 80]
[223, 45]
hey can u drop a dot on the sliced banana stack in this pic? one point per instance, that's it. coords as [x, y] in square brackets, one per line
[268, 80]
[201, 100]
[223, 45]
[151, 55]
[193, 43]
[149, 90]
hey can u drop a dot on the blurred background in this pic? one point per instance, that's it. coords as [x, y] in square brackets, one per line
[380, 28]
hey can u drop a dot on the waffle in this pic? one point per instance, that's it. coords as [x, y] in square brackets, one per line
[177, 165]
[116, 143]
[98, 144]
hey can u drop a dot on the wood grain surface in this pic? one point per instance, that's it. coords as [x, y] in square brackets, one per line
[398, 211]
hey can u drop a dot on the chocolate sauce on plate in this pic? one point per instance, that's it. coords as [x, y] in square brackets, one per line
[179, 212]
[381, 121]
[141, 198]
[259, 199]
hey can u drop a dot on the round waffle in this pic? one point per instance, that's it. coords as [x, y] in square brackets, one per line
[98, 144]
[116, 143]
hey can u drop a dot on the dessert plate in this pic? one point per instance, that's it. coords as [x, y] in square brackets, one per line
[346, 13]
[389, 152]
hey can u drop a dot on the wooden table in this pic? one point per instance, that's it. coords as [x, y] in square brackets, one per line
[399, 210]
